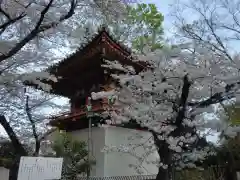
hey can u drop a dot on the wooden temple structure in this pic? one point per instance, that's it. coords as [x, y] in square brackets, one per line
[82, 73]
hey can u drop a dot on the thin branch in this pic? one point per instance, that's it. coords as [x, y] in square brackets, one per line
[4, 13]
[34, 129]
[11, 20]
[217, 97]
[38, 29]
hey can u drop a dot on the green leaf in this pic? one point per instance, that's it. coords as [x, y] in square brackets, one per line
[149, 19]
[74, 154]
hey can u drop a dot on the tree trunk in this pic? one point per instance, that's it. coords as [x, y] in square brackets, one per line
[163, 174]
[166, 158]
[18, 147]
[230, 174]
[13, 174]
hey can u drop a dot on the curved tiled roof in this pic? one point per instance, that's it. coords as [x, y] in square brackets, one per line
[102, 29]
[88, 50]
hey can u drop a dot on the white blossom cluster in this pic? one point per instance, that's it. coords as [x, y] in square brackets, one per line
[174, 98]
[102, 95]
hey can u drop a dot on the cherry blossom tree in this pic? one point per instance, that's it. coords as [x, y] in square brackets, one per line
[31, 32]
[175, 100]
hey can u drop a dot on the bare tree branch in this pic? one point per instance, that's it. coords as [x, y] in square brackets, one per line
[34, 129]
[39, 28]
[215, 24]
[217, 97]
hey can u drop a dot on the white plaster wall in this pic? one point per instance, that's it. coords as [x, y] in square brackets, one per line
[4, 173]
[114, 163]
[117, 164]
[97, 144]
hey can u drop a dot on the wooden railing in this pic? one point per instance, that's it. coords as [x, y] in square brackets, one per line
[77, 113]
